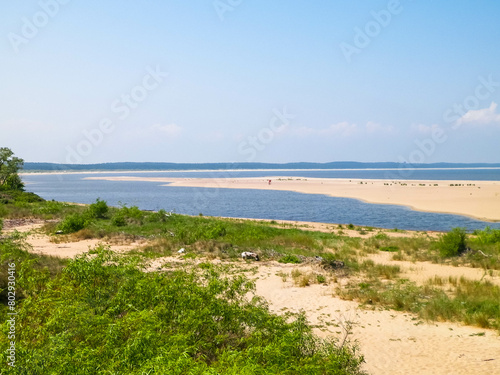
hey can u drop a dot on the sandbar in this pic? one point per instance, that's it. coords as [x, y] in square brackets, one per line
[476, 199]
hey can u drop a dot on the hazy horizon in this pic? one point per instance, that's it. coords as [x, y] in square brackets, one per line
[345, 164]
[250, 81]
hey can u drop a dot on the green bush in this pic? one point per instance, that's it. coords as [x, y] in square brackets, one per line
[290, 259]
[452, 243]
[98, 210]
[158, 217]
[73, 223]
[132, 215]
[118, 220]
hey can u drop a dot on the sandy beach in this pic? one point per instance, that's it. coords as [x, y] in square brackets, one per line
[476, 199]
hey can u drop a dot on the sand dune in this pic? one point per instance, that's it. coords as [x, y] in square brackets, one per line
[392, 342]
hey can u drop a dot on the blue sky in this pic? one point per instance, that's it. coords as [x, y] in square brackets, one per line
[240, 80]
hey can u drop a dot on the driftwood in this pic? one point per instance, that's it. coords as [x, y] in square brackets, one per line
[483, 254]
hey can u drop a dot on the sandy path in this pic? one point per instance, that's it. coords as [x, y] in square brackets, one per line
[480, 199]
[391, 342]
[41, 244]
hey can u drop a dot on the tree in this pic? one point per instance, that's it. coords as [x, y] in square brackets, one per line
[9, 168]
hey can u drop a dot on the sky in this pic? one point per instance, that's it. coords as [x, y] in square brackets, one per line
[250, 81]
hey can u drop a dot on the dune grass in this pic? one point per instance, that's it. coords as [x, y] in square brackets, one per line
[470, 302]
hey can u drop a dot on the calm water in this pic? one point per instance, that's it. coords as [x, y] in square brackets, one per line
[260, 203]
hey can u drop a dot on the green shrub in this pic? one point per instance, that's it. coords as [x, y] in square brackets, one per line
[321, 279]
[118, 220]
[73, 223]
[98, 210]
[132, 215]
[290, 259]
[452, 243]
[158, 217]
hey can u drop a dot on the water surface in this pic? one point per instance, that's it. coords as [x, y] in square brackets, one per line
[263, 204]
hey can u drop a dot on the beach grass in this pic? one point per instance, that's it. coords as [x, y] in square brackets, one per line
[470, 302]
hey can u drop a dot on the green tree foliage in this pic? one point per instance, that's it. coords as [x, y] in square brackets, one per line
[9, 168]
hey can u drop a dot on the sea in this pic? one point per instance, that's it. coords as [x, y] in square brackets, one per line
[263, 204]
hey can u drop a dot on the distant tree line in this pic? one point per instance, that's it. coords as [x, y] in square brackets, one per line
[242, 165]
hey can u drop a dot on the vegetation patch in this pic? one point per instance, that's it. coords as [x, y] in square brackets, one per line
[390, 249]
[102, 313]
[290, 259]
[471, 302]
[452, 243]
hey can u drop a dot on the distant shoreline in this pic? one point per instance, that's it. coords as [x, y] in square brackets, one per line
[114, 171]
